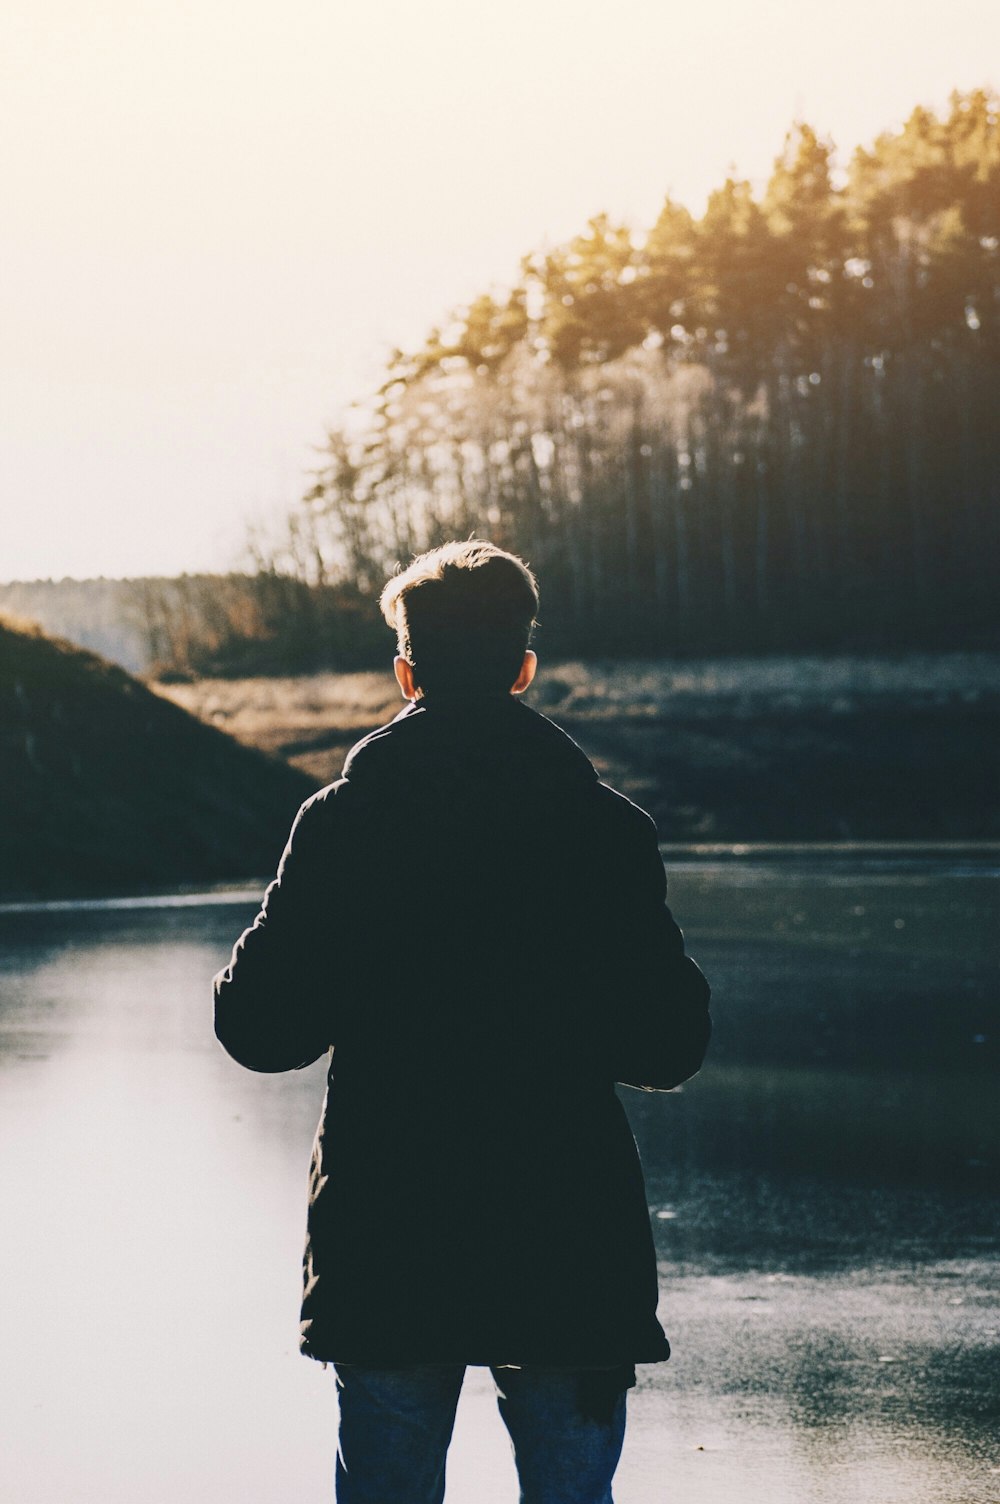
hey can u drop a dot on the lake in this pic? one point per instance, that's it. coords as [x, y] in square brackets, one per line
[825, 1200]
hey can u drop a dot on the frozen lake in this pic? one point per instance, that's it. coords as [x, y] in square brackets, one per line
[825, 1198]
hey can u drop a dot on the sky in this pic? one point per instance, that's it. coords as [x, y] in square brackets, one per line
[219, 217]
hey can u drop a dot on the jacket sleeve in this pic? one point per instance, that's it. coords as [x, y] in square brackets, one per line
[272, 1002]
[662, 1025]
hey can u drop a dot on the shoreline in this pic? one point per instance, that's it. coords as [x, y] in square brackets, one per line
[954, 858]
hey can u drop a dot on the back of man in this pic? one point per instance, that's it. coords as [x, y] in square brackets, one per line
[477, 927]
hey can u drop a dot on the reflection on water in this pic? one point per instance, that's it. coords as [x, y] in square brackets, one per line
[824, 1201]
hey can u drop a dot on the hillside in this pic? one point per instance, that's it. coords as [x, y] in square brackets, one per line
[105, 786]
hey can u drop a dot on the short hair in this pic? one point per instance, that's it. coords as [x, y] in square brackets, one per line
[463, 615]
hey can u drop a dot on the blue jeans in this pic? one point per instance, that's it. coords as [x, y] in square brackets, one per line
[566, 1430]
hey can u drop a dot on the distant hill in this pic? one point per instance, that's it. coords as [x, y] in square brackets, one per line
[105, 786]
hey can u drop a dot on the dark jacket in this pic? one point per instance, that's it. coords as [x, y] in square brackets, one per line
[475, 926]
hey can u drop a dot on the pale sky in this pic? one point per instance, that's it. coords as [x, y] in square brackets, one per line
[219, 216]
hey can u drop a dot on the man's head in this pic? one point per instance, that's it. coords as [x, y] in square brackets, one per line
[462, 615]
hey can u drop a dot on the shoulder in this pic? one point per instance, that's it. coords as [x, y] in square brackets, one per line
[625, 816]
[381, 747]
[326, 830]
[320, 806]
[322, 811]
[629, 844]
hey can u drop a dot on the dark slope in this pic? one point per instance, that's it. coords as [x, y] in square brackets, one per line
[105, 786]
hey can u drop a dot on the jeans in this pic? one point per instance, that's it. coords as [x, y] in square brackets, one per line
[566, 1430]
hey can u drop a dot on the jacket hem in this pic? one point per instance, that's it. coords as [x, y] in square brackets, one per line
[475, 1358]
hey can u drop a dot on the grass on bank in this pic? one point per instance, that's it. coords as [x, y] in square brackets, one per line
[785, 748]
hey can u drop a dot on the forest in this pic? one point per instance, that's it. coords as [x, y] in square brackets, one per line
[772, 428]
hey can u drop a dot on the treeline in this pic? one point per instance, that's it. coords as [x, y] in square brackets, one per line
[254, 621]
[268, 621]
[771, 427]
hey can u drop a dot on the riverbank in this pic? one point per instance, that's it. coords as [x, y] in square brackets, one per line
[776, 749]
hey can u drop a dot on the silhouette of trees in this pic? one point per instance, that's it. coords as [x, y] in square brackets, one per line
[771, 427]
[271, 621]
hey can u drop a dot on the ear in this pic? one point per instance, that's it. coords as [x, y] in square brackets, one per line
[526, 675]
[403, 670]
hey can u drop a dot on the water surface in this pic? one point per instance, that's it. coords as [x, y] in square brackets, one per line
[824, 1198]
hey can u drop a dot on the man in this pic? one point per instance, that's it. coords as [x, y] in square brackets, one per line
[475, 928]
